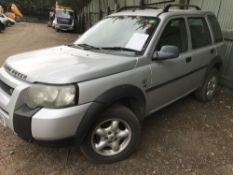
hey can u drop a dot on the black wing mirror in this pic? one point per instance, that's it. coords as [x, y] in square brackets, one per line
[166, 52]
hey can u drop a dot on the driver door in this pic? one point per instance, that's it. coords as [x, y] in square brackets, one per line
[170, 78]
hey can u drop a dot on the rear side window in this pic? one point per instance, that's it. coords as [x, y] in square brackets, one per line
[175, 33]
[215, 28]
[200, 33]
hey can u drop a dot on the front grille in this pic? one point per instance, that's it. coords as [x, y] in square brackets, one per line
[65, 21]
[9, 90]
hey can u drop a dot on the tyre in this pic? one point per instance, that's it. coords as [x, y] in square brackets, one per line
[2, 27]
[12, 23]
[210, 86]
[9, 24]
[113, 137]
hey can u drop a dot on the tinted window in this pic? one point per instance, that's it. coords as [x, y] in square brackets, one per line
[200, 33]
[215, 28]
[175, 33]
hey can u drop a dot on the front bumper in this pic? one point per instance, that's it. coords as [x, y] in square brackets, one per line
[64, 27]
[40, 124]
[57, 124]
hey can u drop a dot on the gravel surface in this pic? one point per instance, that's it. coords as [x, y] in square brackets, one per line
[186, 138]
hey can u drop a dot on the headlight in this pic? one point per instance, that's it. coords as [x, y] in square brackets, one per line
[51, 96]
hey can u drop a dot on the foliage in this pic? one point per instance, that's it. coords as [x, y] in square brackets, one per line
[76, 4]
[27, 5]
[41, 8]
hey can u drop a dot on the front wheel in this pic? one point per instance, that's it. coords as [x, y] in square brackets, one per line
[209, 88]
[2, 27]
[114, 136]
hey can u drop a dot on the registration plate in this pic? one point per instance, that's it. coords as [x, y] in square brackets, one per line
[2, 119]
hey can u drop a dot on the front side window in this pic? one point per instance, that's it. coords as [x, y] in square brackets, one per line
[175, 34]
[200, 33]
[215, 28]
[125, 32]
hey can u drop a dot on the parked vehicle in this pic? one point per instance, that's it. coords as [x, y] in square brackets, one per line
[3, 20]
[64, 19]
[99, 89]
[9, 21]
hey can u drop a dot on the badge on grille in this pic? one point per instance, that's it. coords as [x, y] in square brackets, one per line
[15, 73]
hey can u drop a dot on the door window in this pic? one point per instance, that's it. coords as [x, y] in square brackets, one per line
[200, 33]
[215, 28]
[175, 34]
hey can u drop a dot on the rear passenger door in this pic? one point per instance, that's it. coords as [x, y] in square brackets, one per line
[217, 35]
[203, 49]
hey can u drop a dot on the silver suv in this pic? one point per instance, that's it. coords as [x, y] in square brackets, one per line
[99, 89]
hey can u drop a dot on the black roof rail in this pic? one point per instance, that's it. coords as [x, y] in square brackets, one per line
[184, 6]
[135, 7]
[160, 3]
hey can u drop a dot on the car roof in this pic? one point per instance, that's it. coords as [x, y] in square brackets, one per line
[62, 9]
[156, 12]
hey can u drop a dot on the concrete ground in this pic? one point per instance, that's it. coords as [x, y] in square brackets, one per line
[186, 138]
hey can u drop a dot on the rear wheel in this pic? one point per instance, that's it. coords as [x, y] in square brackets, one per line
[209, 88]
[114, 136]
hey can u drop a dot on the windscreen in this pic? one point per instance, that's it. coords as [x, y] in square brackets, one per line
[63, 13]
[130, 32]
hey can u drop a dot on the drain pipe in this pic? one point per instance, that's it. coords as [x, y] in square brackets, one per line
[142, 4]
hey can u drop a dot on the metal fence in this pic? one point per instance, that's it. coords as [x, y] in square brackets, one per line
[97, 9]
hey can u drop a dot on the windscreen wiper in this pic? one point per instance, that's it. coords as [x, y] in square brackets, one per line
[120, 49]
[84, 46]
[88, 47]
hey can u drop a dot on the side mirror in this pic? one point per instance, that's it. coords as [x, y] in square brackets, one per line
[166, 52]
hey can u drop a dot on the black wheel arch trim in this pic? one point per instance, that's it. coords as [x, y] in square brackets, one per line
[120, 92]
[22, 119]
[214, 62]
[105, 100]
